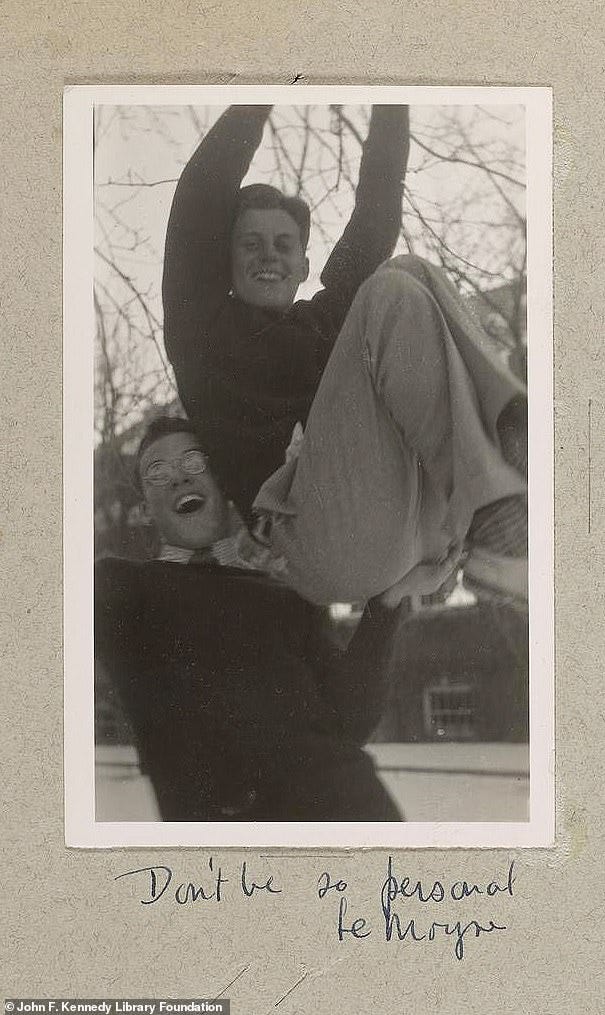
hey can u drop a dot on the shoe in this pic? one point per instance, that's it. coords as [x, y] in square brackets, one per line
[496, 544]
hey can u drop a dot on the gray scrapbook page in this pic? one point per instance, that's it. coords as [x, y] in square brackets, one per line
[280, 634]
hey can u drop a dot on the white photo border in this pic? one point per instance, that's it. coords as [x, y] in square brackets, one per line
[81, 828]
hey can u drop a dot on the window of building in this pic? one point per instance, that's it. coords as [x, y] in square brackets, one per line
[450, 712]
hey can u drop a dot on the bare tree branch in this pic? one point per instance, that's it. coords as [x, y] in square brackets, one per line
[138, 183]
[444, 157]
[152, 320]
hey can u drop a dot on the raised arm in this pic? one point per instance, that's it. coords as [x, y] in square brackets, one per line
[355, 682]
[197, 252]
[372, 231]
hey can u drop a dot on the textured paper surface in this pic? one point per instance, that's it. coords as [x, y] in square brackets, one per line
[71, 929]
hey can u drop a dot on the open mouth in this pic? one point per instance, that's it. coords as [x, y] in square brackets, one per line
[189, 504]
[269, 276]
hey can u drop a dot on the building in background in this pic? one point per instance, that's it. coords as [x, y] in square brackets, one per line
[460, 671]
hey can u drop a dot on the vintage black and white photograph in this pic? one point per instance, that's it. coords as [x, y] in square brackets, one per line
[308, 346]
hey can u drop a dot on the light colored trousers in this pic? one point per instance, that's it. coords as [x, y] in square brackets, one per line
[401, 445]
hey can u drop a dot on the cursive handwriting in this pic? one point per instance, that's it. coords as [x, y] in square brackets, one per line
[403, 900]
[250, 888]
[159, 879]
[404, 888]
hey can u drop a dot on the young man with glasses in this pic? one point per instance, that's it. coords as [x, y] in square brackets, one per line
[241, 709]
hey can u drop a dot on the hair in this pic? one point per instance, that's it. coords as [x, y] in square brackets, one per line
[159, 427]
[263, 196]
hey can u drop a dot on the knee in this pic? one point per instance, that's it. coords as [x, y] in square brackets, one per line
[395, 314]
[411, 263]
[396, 278]
[396, 299]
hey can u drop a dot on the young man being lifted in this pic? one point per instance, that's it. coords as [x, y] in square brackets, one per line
[413, 430]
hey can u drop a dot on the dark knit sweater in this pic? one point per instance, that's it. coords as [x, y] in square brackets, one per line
[240, 710]
[246, 374]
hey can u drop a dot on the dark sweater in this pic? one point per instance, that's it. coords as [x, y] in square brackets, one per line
[246, 374]
[240, 710]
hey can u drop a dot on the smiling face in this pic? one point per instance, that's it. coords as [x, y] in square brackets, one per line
[268, 261]
[189, 510]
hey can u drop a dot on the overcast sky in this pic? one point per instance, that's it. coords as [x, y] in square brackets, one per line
[153, 143]
[150, 145]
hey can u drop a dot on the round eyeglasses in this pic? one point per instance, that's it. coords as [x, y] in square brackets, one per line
[160, 473]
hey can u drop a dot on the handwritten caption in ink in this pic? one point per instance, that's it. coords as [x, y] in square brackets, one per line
[406, 905]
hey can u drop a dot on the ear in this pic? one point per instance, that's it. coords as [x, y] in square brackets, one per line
[305, 271]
